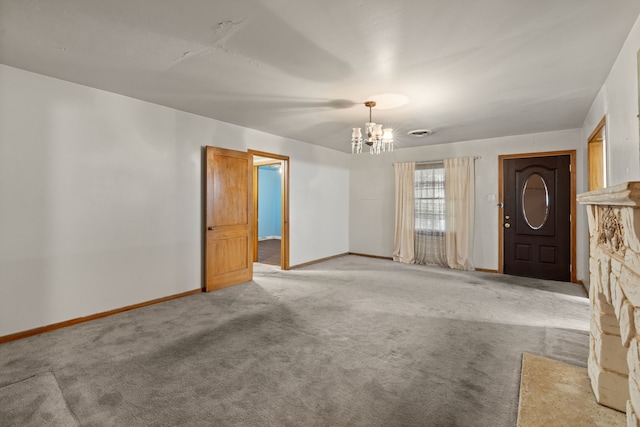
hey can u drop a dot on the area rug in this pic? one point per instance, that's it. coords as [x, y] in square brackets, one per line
[554, 393]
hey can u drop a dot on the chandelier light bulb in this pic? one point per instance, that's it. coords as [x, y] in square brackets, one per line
[377, 132]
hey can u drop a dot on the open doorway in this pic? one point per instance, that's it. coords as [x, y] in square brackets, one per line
[271, 209]
[597, 149]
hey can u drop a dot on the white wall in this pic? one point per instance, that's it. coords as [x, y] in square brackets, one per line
[372, 212]
[618, 100]
[100, 199]
[100, 194]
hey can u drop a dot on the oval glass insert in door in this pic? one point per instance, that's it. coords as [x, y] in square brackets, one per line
[535, 201]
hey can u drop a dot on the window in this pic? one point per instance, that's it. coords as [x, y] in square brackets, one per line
[429, 214]
[429, 198]
[439, 222]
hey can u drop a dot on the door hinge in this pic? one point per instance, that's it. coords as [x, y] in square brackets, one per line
[570, 268]
[569, 167]
[570, 217]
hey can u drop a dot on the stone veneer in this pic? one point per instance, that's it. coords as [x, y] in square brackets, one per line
[614, 266]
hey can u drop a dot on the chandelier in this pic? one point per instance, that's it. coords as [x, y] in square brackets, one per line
[379, 140]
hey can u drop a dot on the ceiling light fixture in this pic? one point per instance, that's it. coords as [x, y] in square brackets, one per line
[379, 140]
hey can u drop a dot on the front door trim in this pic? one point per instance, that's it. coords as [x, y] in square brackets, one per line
[501, 158]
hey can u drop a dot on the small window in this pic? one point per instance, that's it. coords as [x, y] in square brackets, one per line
[430, 211]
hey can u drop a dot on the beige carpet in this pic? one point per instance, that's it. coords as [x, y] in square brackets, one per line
[554, 393]
[42, 395]
[352, 341]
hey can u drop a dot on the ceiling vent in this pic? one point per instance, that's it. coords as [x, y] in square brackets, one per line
[419, 133]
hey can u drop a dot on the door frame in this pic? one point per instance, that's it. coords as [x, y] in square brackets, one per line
[572, 173]
[284, 244]
[598, 129]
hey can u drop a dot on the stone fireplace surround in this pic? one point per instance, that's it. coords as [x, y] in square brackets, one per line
[614, 293]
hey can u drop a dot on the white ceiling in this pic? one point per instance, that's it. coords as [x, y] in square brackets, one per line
[301, 68]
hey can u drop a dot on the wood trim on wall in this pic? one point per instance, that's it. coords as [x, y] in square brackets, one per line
[284, 244]
[255, 212]
[372, 256]
[305, 264]
[487, 270]
[285, 215]
[572, 160]
[76, 321]
[599, 126]
[268, 163]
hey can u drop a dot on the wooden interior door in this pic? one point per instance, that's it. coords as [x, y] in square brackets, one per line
[537, 217]
[229, 218]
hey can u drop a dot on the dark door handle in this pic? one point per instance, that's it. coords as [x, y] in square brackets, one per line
[210, 228]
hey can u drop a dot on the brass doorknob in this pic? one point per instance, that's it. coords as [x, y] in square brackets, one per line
[507, 225]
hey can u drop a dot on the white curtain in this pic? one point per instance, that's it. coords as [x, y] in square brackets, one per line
[403, 249]
[460, 206]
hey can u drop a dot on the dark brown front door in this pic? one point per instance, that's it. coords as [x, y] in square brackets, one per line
[537, 217]
[229, 218]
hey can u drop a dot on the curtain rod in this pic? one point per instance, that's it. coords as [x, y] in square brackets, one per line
[430, 162]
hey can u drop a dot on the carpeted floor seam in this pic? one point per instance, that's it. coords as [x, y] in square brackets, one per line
[2, 385]
[69, 408]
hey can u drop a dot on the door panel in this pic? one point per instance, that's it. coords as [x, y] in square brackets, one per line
[537, 217]
[229, 216]
[230, 184]
[229, 255]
